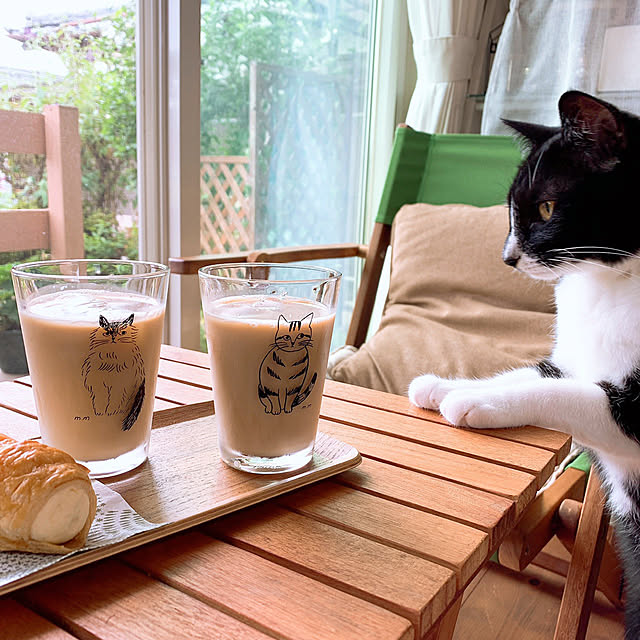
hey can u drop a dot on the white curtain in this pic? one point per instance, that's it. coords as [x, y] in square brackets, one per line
[548, 47]
[447, 50]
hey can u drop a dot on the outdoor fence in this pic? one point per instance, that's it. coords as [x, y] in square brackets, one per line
[226, 218]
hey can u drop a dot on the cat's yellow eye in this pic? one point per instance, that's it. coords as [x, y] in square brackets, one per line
[545, 209]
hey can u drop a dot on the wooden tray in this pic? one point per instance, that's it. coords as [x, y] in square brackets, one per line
[184, 483]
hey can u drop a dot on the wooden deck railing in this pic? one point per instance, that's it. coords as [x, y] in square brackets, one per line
[226, 223]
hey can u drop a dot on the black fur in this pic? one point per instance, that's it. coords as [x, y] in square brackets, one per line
[624, 402]
[547, 369]
[628, 542]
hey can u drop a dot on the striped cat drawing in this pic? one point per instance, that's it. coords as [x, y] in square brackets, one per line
[284, 370]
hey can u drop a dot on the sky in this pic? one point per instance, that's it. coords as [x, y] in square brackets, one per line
[14, 14]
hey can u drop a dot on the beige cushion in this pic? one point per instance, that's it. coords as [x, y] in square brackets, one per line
[453, 308]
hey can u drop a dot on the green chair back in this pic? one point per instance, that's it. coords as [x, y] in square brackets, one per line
[446, 169]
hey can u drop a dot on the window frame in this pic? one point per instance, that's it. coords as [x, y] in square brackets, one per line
[168, 78]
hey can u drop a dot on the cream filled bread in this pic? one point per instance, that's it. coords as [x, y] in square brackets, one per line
[47, 502]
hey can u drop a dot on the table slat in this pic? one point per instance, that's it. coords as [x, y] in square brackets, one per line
[196, 358]
[556, 441]
[113, 602]
[359, 566]
[19, 623]
[180, 393]
[454, 545]
[485, 511]
[17, 425]
[184, 372]
[270, 596]
[14, 395]
[510, 483]
[474, 443]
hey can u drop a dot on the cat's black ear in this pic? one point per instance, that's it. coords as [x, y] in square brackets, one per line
[534, 134]
[103, 322]
[128, 322]
[594, 125]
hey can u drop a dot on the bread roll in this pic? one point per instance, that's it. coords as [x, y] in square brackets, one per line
[47, 502]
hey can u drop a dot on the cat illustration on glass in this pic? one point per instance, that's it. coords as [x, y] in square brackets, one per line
[575, 219]
[113, 372]
[284, 370]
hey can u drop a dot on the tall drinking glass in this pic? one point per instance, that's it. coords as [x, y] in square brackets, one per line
[92, 331]
[268, 332]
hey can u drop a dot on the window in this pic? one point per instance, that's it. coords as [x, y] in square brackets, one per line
[283, 125]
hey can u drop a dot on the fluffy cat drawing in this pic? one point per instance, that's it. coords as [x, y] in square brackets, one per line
[113, 372]
[284, 370]
[575, 218]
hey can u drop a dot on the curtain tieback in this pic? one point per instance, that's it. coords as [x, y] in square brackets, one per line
[446, 59]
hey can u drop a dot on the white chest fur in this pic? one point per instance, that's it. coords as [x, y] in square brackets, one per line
[598, 325]
[598, 338]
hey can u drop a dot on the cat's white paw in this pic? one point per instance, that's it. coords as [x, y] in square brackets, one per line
[480, 409]
[428, 391]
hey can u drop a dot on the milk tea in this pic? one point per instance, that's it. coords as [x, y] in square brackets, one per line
[93, 357]
[268, 362]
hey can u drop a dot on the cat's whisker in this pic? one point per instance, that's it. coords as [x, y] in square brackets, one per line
[562, 267]
[594, 249]
[578, 261]
[586, 246]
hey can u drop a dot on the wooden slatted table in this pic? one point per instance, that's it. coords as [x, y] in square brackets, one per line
[384, 550]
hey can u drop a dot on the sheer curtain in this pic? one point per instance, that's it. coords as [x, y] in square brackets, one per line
[450, 45]
[548, 47]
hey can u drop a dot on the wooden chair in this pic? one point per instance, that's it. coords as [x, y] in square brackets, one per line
[472, 169]
[59, 228]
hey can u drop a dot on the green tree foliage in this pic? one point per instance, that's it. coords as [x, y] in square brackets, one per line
[298, 34]
[101, 83]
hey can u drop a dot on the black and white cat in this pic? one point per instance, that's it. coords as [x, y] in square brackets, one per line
[574, 209]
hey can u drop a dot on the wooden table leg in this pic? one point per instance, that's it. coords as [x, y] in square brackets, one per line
[582, 576]
[444, 628]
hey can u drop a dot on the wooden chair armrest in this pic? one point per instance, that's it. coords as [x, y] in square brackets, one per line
[540, 521]
[188, 265]
[313, 252]
[191, 264]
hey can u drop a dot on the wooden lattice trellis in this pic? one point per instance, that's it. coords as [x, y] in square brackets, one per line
[226, 222]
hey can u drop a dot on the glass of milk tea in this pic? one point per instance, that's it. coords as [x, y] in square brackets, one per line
[268, 329]
[92, 332]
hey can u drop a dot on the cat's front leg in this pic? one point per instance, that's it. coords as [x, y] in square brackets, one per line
[428, 391]
[579, 408]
